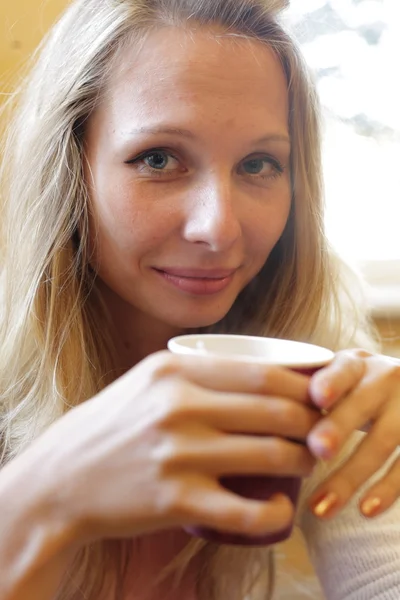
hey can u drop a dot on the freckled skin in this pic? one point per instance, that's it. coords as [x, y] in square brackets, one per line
[205, 210]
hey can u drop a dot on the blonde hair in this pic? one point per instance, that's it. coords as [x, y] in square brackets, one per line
[54, 353]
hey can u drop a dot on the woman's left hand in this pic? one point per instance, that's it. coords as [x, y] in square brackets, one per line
[359, 391]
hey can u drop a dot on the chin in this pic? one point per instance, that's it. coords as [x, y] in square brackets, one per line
[193, 321]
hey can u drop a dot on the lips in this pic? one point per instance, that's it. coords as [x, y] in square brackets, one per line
[198, 282]
[199, 273]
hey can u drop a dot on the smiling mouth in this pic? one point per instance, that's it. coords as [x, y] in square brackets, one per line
[198, 282]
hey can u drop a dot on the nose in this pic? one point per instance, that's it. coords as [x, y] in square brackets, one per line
[213, 217]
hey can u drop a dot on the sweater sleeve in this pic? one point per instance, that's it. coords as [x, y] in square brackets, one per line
[355, 558]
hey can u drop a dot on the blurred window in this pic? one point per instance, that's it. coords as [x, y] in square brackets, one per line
[353, 47]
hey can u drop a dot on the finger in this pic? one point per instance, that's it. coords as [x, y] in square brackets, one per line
[374, 451]
[330, 433]
[246, 413]
[330, 384]
[211, 505]
[225, 375]
[382, 494]
[238, 455]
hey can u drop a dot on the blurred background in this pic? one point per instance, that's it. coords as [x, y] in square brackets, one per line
[353, 47]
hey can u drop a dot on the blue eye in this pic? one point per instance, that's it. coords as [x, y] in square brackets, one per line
[254, 166]
[264, 166]
[158, 160]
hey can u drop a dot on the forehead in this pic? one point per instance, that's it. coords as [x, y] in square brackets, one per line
[206, 70]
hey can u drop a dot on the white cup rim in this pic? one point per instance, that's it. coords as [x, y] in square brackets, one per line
[302, 354]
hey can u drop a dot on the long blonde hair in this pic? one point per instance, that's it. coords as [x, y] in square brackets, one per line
[54, 355]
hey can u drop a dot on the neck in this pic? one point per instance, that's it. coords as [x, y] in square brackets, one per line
[136, 335]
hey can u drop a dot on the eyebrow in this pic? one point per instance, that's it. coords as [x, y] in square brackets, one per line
[273, 137]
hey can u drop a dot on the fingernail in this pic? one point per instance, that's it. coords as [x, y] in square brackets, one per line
[328, 392]
[323, 445]
[325, 504]
[371, 506]
[326, 396]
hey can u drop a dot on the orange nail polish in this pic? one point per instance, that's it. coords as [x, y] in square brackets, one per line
[325, 397]
[325, 504]
[328, 393]
[324, 445]
[371, 506]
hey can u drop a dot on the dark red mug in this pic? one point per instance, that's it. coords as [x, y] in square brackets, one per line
[297, 356]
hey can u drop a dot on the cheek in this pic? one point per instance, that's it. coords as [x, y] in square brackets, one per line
[126, 225]
[265, 227]
[113, 220]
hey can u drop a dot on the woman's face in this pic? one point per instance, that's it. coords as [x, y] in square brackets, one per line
[188, 170]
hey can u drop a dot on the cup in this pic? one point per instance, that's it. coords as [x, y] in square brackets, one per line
[297, 356]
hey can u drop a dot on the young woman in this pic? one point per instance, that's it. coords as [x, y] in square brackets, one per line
[162, 175]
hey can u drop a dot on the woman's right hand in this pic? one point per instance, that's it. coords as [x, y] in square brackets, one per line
[148, 451]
